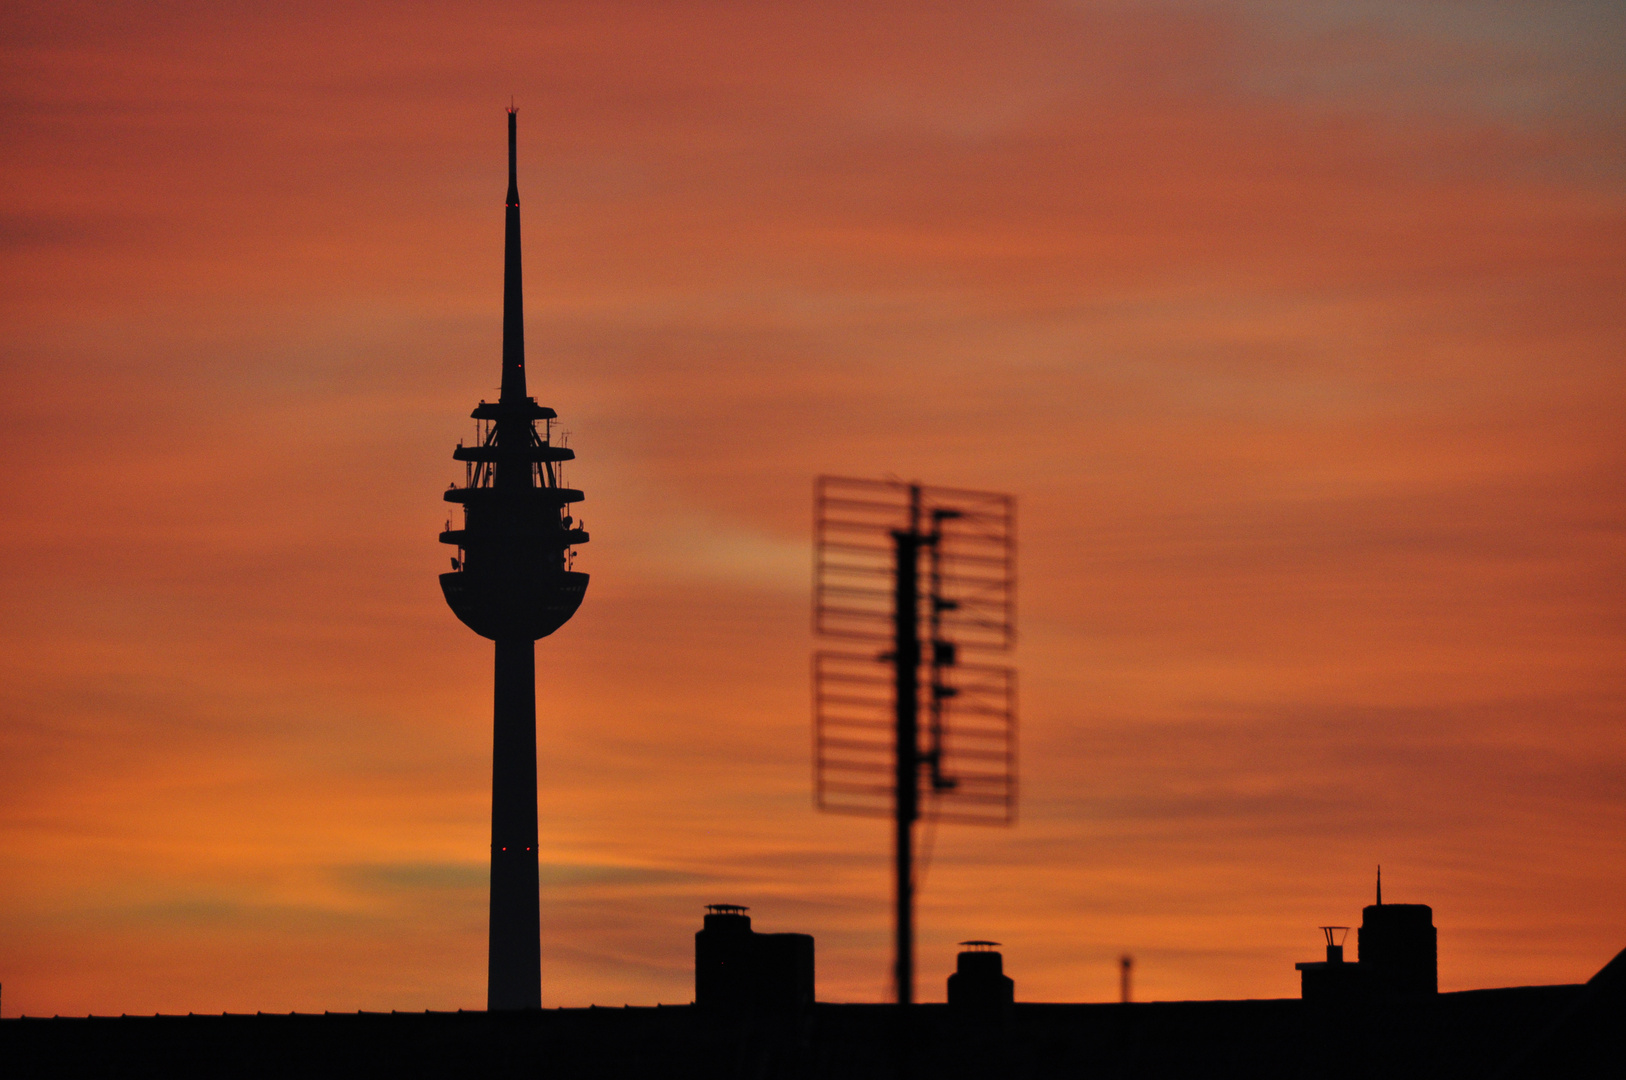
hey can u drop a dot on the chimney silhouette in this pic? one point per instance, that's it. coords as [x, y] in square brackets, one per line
[979, 983]
[739, 970]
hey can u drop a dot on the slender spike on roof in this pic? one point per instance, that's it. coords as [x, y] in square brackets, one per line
[513, 300]
[1380, 885]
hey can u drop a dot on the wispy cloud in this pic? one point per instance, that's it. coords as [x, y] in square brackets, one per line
[1295, 328]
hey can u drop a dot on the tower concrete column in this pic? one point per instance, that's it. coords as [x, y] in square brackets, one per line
[514, 961]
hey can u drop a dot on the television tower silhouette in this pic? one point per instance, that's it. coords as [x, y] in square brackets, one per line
[512, 582]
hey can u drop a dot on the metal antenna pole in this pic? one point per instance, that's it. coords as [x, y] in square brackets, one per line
[870, 540]
[906, 661]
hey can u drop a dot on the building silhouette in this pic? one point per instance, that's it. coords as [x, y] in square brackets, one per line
[737, 968]
[754, 1016]
[1397, 957]
[511, 581]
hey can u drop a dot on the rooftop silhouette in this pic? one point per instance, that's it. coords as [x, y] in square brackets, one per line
[754, 1015]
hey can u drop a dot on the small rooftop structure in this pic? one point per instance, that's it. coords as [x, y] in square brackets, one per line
[739, 970]
[1397, 957]
[979, 983]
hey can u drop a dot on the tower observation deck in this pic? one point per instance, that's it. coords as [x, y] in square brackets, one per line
[512, 581]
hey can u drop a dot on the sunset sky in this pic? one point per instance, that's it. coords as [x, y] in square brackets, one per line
[1297, 329]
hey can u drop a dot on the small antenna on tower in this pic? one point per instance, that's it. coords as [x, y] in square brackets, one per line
[1380, 884]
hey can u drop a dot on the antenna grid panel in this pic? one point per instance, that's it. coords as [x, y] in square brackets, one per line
[938, 567]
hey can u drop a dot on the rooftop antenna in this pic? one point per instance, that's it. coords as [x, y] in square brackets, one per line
[511, 582]
[1380, 884]
[875, 540]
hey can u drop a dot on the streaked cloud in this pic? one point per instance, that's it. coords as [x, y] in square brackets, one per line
[1295, 328]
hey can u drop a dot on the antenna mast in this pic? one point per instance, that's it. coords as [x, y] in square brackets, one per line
[871, 539]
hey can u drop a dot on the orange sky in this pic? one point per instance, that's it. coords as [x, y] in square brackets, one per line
[1296, 328]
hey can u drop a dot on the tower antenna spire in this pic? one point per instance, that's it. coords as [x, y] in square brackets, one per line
[513, 293]
[1380, 884]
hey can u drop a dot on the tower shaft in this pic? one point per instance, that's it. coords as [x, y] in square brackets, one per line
[514, 960]
[514, 949]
